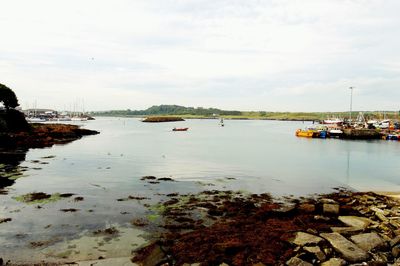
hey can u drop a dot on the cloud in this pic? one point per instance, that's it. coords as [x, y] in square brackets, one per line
[266, 55]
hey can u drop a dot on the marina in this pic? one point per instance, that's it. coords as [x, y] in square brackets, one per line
[360, 129]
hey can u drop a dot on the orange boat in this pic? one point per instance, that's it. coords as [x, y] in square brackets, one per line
[180, 129]
[307, 133]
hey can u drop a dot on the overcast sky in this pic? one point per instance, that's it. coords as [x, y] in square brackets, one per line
[273, 55]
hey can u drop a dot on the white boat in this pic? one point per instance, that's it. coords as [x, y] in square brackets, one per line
[35, 120]
[332, 121]
[335, 132]
[79, 118]
[384, 124]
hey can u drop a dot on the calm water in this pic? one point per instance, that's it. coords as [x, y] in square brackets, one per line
[253, 156]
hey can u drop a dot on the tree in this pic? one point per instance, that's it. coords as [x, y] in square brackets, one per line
[8, 97]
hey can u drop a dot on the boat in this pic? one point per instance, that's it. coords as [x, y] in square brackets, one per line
[180, 129]
[36, 120]
[79, 118]
[392, 137]
[330, 121]
[335, 132]
[308, 133]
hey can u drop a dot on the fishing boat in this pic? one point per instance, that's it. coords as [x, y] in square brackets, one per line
[335, 132]
[180, 129]
[308, 133]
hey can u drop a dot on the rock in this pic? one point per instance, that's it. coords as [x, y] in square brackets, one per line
[396, 251]
[330, 208]
[297, 262]
[317, 252]
[334, 262]
[355, 221]
[395, 241]
[151, 255]
[368, 241]
[345, 230]
[321, 218]
[348, 249]
[380, 258]
[312, 231]
[328, 201]
[381, 214]
[4, 220]
[395, 224]
[306, 207]
[328, 251]
[302, 239]
[259, 264]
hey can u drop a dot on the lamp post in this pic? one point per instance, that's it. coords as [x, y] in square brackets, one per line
[351, 102]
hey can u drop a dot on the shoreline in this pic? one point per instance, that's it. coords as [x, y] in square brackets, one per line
[215, 227]
[392, 194]
[215, 118]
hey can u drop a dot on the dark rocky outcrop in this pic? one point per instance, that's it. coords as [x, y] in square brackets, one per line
[43, 135]
[159, 119]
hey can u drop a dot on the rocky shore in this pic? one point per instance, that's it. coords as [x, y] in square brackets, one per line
[227, 228]
[43, 135]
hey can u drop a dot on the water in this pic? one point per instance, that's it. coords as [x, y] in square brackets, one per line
[252, 156]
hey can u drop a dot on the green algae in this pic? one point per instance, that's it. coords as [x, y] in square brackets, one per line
[38, 198]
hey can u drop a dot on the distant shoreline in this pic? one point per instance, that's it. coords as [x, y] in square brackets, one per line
[216, 118]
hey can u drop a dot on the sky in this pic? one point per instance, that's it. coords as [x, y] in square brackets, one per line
[271, 55]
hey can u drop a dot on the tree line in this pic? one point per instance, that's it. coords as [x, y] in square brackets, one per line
[170, 110]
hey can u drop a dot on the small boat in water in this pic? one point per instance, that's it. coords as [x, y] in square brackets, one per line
[308, 133]
[180, 129]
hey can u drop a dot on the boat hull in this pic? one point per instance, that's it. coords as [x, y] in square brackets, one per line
[180, 129]
[307, 133]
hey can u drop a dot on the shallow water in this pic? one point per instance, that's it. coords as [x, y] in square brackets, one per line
[253, 156]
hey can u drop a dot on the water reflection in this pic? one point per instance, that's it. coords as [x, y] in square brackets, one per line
[10, 169]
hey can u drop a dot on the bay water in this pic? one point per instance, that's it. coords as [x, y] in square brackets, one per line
[252, 156]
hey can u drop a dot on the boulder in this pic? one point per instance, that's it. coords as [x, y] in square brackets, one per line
[303, 239]
[348, 249]
[368, 241]
[355, 221]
